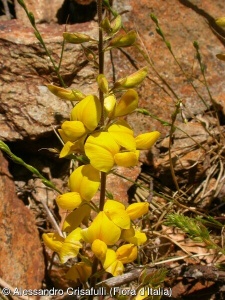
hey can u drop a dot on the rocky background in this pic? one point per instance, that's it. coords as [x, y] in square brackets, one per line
[29, 112]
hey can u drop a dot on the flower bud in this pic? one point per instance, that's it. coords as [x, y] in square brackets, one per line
[221, 56]
[137, 210]
[132, 80]
[220, 22]
[146, 140]
[122, 40]
[76, 38]
[127, 104]
[71, 95]
[102, 83]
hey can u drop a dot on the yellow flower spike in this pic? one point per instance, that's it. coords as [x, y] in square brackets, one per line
[146, 140]
[221, 22]
[127, 253]
[71, 246]
[135, 237]
[80, 271]
[88, 111]
[69, 201]
[99, 249]
[73, 130]
[103, 229]
[111, 264]
[115, 211]
[123, 135]
[85, 180]
[71, 95]
[127, 104]
[132, 80]
[136, 210]
[126, 159]
[103, 83]
[109, 104]
[100, 148]
[53, 241]
[75, 218]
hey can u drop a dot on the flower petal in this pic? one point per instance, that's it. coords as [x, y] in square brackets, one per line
[127, 104]
[99, 248]
[115, 211]
[71, 246]
[123, 135]
[103, 229]
[111, 264]
[75, 218]
[88, 111]
[100, 148]
[53, 241]
[126, 159]
[136, 210]
[73, 130]
[69, 201]
[85, 180]
[127, 253]
[146, 140]
[138, 238]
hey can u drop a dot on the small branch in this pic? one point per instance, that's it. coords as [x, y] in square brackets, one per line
[6, 9]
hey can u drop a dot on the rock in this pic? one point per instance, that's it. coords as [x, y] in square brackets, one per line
[43, 10]
[27, 108]
[19, 238]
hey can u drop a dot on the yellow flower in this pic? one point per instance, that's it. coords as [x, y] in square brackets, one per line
[71, 246]
[85, 180]
[115, 211]
[102, 228]
[87, 111]
[136, 210]
[53, 241]
[146, 140]
[103, 149]
[79, 272]
[114, 260]
[73, 130]
[69, 201]
[66, 248]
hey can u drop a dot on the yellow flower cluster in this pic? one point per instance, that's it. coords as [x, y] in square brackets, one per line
[99, 133]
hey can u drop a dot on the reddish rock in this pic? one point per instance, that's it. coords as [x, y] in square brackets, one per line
[22, 262]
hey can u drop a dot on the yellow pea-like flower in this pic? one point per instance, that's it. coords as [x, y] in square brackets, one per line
[102, 228]
[87, 111]
[137, 210]
[69, 201]
[53, 241]
[71, 245]
[100, 148]
[126, 253]
[85, 180]
[146, 140]
[73, 130]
